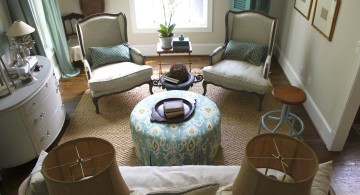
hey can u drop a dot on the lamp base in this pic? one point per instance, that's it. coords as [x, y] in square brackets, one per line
[28, 79]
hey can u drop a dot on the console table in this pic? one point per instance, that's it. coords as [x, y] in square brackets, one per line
[31, 118]
[161, 51]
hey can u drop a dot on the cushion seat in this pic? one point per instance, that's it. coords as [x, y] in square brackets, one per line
[237, 75]
[118, 77]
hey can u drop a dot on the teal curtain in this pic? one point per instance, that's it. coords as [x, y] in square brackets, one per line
[20, 10]
[56, 28]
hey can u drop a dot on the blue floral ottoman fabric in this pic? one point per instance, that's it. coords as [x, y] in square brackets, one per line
[194, 141]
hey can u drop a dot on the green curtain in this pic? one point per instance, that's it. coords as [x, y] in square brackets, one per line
[56, 29]
[20, 10]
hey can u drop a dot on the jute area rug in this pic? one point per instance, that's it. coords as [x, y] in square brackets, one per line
[239, 121]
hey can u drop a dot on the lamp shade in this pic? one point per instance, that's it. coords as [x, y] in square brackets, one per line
[19, 28]
[276, 164]
[83, 166]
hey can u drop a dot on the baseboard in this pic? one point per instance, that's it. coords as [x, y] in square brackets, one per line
[318, 119]
[197, 49]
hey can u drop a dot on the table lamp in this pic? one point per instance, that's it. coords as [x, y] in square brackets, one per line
[276, 164]
[83, 166]
[21, 43]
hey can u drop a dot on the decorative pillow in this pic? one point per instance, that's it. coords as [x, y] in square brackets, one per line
[37, 181]
[107, 55]
[197, 189]
[321, 182]
[254, 53]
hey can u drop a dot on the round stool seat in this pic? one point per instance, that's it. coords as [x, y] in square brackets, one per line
[288, 94]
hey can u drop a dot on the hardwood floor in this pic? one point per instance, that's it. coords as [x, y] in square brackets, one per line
[346, 169]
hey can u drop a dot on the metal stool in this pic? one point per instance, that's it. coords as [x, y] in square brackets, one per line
[288, 95]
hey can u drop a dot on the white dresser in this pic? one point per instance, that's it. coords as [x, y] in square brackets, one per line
[30, 118]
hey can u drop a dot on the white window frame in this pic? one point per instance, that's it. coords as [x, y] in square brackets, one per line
[208, 28]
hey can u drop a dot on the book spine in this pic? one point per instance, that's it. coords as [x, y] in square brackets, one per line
[181, 48]
[166, 78]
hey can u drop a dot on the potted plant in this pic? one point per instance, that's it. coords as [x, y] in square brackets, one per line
[166, 32]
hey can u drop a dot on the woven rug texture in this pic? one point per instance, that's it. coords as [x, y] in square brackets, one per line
[239, 115]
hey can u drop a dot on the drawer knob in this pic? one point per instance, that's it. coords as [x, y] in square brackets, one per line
[38, 119]
[44, 137]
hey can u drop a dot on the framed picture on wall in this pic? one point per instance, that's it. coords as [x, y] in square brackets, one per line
[324, 18]
[304, 7]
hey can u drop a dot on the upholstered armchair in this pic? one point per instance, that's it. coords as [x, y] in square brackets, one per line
[111, 64]
[243, 62]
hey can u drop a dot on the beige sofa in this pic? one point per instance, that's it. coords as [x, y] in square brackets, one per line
[190, 179]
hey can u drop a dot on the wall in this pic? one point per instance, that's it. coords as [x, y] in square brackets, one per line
[327, 71]
[203, 43]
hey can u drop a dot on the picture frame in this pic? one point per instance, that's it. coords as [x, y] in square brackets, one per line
[303, 7]
[324, 18]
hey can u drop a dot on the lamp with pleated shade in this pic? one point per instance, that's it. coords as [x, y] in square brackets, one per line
[83, 166]
[276, 164]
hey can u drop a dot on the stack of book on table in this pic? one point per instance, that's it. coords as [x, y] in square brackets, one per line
[173, 108]
[181, 44]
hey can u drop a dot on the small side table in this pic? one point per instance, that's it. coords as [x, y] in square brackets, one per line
[288, 95]
[161, 51]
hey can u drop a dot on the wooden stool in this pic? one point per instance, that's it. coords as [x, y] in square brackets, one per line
[288, 95]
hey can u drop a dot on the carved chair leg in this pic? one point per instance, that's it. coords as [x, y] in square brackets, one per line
[95, 101]
[151, 84]
[204, 84]
[261, 98]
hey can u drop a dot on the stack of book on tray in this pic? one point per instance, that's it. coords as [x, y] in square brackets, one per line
[169, 79]
[173, 108]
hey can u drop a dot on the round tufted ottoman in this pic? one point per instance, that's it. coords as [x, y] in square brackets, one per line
[194, 141]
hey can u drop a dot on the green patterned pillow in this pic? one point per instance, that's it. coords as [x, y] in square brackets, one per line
[107, 55]
[254, 53]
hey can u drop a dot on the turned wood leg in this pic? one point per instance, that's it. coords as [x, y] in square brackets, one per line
[151, 87]
[95, 101]
[204, 84]
[261, 98]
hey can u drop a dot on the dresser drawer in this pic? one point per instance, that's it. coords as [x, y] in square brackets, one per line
[41, 115]
[35, 102]
[43, 138]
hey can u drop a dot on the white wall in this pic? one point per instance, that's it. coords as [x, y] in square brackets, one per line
[325, 70]
[203, 43]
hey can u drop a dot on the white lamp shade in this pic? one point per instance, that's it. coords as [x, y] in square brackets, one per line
[19, 28]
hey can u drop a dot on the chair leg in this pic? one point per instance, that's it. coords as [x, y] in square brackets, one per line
[95, 101]
[204, 84]
[151, 84]
[261, 98]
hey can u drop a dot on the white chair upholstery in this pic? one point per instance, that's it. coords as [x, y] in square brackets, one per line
[250, 27]
[106, 30]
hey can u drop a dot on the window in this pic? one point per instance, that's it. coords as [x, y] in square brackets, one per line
[188, 15]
